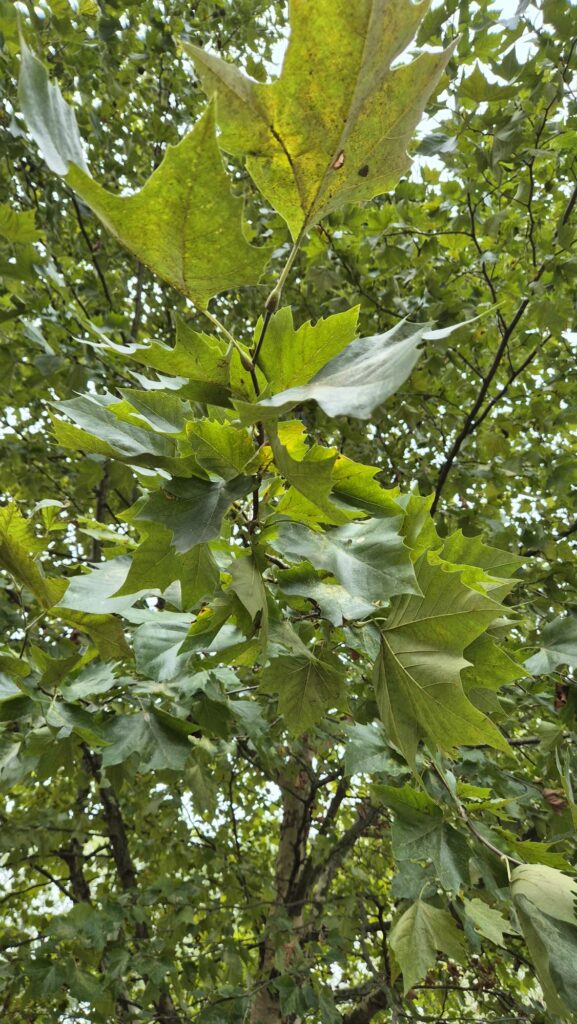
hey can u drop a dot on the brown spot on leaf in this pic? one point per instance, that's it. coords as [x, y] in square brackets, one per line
[555, 798]
[561, 694]
[363, 171]
[338, 161]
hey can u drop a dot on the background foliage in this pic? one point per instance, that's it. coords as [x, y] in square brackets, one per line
[174, 846]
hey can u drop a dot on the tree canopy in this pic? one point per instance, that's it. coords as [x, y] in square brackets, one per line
[288, 578]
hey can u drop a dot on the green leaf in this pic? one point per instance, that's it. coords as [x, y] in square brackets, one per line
[192, 509]
[101, 591]
[162, 411]
[98, 430]
[487, 921]
[157, 645]
[546, 901]
[200, 360]
[420, 833]
[369, 559]
[155, 565]
[417, 676]
[290, 357]
[307, 688]
[184, 224]
[50, 120]
[503, 565]
[354, 484]
[490, 666]
[367, 750]
[159, 740]
[18, 552]
[334, 602]
[360, 379]
[417, 935]
[95, 679]
[105, 631]
[317, 137]
[83, 723]
[220, 448]
[316, 472]
[18, 226]
[310, 472]
[248, 585]
[559, 646]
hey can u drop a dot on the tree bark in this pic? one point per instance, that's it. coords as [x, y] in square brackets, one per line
[296, 783]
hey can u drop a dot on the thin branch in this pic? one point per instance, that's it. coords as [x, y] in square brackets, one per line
[91, 249]
[470, 423]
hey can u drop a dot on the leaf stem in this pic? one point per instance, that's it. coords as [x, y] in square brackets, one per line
[273, 301]
[244, 358]
[463, 814]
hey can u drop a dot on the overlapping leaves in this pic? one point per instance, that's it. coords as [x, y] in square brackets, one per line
[184, 223]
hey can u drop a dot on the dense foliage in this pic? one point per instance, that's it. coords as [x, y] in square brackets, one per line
[287, 528]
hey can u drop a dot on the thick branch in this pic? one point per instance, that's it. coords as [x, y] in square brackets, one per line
[367, 1008]
[166, 1012]
[315, 879]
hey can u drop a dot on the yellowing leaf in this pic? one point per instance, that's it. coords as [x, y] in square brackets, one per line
[18, 550]
[184, 224]
[334, 128]
[290, 357]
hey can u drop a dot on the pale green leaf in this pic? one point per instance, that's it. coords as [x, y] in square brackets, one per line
[488, 922]
[334, 602]
[417, 676]
[369, 559]
[157, 645]
[358, 380]
[101, 590]
[546, 903]
[416, 937]
[247, 583]
[558, 646]
[50, 120]
[159, 740]
[367, 751]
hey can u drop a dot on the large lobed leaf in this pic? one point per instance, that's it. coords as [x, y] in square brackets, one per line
[184, 224]
[417, 935]
[361, 377]
[369, 559]
[327, 133]
[417, 675]
[546, 903]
